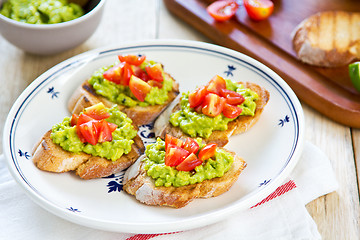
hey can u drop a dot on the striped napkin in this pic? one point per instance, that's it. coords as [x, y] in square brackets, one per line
[281, 216]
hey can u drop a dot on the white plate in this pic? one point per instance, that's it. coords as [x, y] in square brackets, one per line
[271, 148]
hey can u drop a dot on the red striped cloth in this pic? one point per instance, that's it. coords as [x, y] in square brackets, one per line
[286, 187]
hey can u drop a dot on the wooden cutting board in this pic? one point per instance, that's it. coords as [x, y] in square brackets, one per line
[328, 90]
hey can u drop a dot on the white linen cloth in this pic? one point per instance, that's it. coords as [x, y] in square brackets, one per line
[282, 215]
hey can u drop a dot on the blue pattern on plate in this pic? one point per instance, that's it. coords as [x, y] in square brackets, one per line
[228, 72]
[53, 93]
[24, 154]
[282, 122]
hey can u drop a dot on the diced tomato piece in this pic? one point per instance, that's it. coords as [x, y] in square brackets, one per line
[105, 133]
[139, 88]
[231, 111]
[175, 155]
[112, 126]
[83, 118]
[97, 111]
[213, 105]
[155, 72]
[74, 119]
[119, 74]
[132, 59]
[191, 145]
[207, 152]
[197, 97]
[170, 140]
[154, 83]
[189, 163]
[89, 132]
[258, 9]
[222, 10]
[138, 72]
[232, 97]
[216, 84]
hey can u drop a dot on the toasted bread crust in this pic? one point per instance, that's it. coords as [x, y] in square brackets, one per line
[221, 138]
[85, 96]
[140, 185]
[328, 39]
[50, 157]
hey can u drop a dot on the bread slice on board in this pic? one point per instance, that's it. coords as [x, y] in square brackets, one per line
[241, 124]
[85, 96]
[328, 39]
[139, 184]
[50, 157]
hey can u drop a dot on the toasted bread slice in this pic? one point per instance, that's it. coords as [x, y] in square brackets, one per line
[139, 184]
[50, 157]
[241, 124]
[328, 39]
[86, 96]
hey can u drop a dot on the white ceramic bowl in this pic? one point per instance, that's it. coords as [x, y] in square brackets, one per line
[52, 38]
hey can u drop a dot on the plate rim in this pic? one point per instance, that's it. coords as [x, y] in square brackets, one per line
[153, 227]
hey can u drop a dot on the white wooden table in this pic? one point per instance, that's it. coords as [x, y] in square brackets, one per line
[337, 214]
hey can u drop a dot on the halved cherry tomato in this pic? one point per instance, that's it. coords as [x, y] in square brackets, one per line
[189, 163]
[232, 97]
[89, 132]
[222, 10]
[191, 145]
[213, 105]
[259, 9]
[207, 152]
[155, 72]
[170, 140]
[139, 88]
[83, 118]
[132, 59]
[119, 74]
[97, 111]
[74, 119]
[140, 73]
[154, 83]
[216, 84]
[175, 155]
[231, 111]
[105, 133]
[197, 97]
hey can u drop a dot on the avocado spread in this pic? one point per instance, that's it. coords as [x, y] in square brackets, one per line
[199, 125]
[41, 11]
[122, 95]
[65, 135]
[169, 176]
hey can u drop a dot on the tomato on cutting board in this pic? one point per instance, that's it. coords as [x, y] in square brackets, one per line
[222, 10]
[258, 9]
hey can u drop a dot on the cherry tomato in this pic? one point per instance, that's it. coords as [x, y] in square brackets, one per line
[89, 132]
[259, 9]
[170, 140]
[207, 152]
[189, 163]
[139, 88]
[222, 10]
[97, 111]
[132, 59]
[83, 118]
[191, 145]
[154, 83]
[119, 74]
[138, 72]
[155, 72]
[197, 97]
[232, 97]
[231, 111]
[74, 119]
[216, 84]
[105, 133]
[175, 155]
[213, 105]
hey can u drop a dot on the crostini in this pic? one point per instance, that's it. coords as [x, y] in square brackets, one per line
[174, 172]
[140, 88]
[98, 142]
[214, 112]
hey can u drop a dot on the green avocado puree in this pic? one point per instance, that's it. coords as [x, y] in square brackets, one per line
[169, 176]
[122, 95]
[199, 125]
[41, 11]
[65, 135]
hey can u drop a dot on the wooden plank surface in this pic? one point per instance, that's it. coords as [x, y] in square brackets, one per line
[336, 215]
[329, 91]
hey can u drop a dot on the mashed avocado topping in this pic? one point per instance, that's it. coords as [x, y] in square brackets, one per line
[41, 11]
[66, 136]
[169, 176]
[200, 125]
[122, 95]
